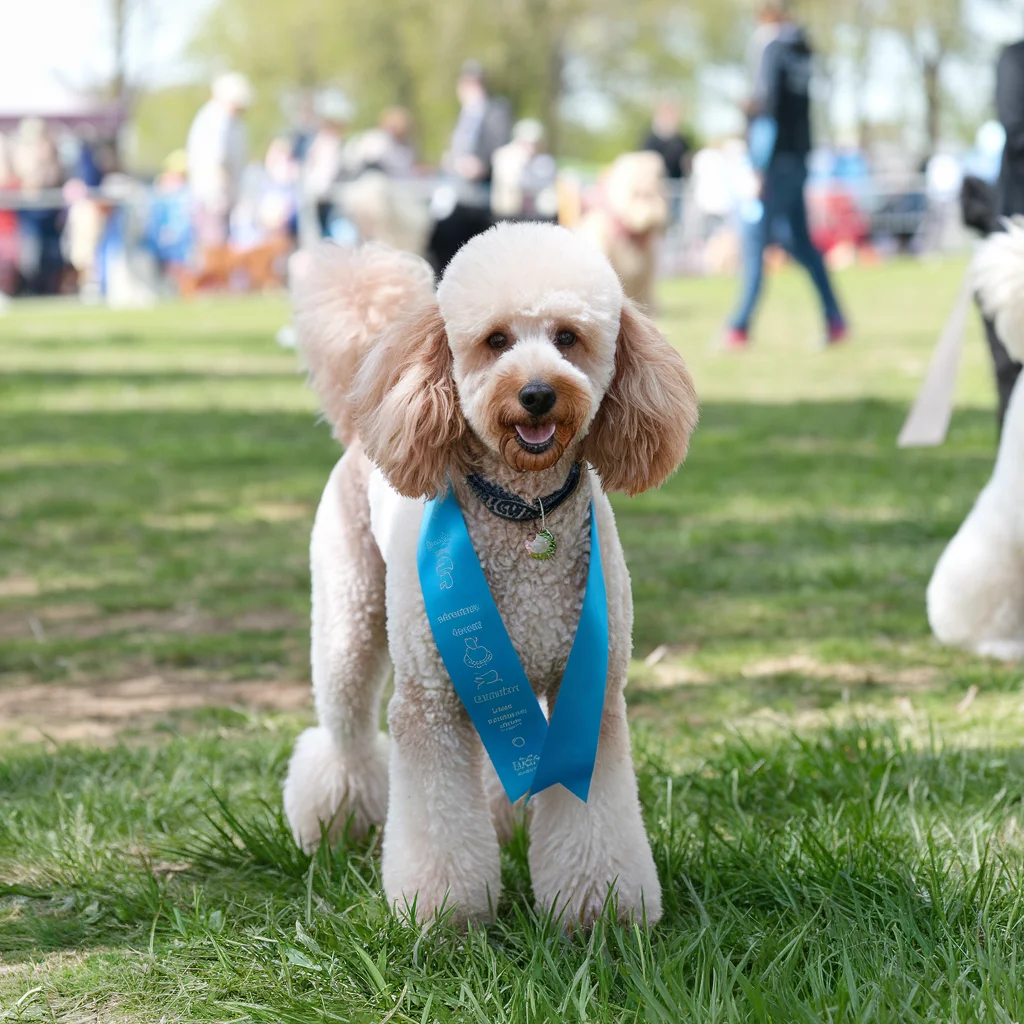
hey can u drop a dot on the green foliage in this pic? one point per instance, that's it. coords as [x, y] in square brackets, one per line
[409, 52]
[160, 122]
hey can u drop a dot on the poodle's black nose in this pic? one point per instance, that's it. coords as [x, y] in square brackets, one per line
[538, 398]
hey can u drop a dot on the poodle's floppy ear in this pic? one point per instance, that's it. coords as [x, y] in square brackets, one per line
[642, 430]
[407, 409]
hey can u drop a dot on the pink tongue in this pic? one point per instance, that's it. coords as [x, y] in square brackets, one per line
[536, 435]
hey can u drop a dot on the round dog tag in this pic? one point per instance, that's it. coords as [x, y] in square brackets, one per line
[541, 545]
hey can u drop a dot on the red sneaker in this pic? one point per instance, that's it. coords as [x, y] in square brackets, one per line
[838, 332]
[735, 338]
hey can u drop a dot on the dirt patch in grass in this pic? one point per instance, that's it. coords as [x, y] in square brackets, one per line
[18, 585]
[87, 622]
[842, 672]
[100, 711]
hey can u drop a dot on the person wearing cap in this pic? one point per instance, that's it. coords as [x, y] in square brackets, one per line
[217, 151]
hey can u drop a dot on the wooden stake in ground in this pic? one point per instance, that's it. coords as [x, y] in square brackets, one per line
[928, 422]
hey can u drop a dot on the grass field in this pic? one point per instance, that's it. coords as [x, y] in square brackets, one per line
[834, 801]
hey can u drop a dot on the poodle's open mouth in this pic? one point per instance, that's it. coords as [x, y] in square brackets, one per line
[535, 439]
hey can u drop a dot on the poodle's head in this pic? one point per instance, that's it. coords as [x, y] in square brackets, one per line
[529, 353]
[635, 192]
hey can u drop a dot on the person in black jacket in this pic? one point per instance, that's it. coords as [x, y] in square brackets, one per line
[1009, 193]
[780, 141]
[674, 148]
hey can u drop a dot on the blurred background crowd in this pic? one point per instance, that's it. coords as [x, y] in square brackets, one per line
[335, 124]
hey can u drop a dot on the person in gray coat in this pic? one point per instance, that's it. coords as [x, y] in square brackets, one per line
[483, 127]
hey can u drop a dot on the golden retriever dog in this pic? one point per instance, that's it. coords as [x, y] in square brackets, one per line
[529, 368]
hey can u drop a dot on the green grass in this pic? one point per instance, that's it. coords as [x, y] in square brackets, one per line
[838, 830]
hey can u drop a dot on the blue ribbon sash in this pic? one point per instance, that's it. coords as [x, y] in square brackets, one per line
[529, 753]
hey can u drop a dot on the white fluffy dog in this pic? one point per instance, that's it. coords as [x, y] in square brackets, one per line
[423, 389]
[629, 220]
[976, 594]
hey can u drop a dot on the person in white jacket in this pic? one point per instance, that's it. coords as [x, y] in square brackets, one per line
[217, 153]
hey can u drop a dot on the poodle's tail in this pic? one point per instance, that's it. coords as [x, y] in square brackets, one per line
[343, 301]
[998, 273]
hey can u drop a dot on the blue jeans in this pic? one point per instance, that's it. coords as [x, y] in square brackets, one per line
[785, 222]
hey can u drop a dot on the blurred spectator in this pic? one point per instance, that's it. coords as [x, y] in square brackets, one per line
[8, 223]
[325, 154]
[217, 147]
[82, 233]
[36, 161]
[302, 115]
[523, 180]
[95, 158]
[168, 231]
[483, 126]
[279, 203]
[87, 167]
[674, 148]
[385, 148]
[37, 166]
[86, 213]
[780, 141]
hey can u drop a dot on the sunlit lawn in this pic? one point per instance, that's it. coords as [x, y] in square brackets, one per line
[834, 800]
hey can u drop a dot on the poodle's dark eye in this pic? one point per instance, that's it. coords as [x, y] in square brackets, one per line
[565, 339]
[497, 341]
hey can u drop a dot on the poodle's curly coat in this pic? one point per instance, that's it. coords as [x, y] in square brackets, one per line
[423, 388]
[976, 594]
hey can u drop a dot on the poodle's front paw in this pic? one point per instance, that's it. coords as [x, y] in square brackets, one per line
[583, 900]
[577, 895]
[325, 784]
[1001, 650]
[431, 900]
[461, 881]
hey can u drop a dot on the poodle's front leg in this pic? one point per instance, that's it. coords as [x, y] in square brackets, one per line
[440, 846]
[578, 850]
[338, 773]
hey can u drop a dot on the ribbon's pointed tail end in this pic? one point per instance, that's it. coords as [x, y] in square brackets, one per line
[580, 790]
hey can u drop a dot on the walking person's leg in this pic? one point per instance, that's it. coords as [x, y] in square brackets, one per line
[753, 239]
[804, 250]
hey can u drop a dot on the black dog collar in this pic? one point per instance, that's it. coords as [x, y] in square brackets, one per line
[507, 505]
